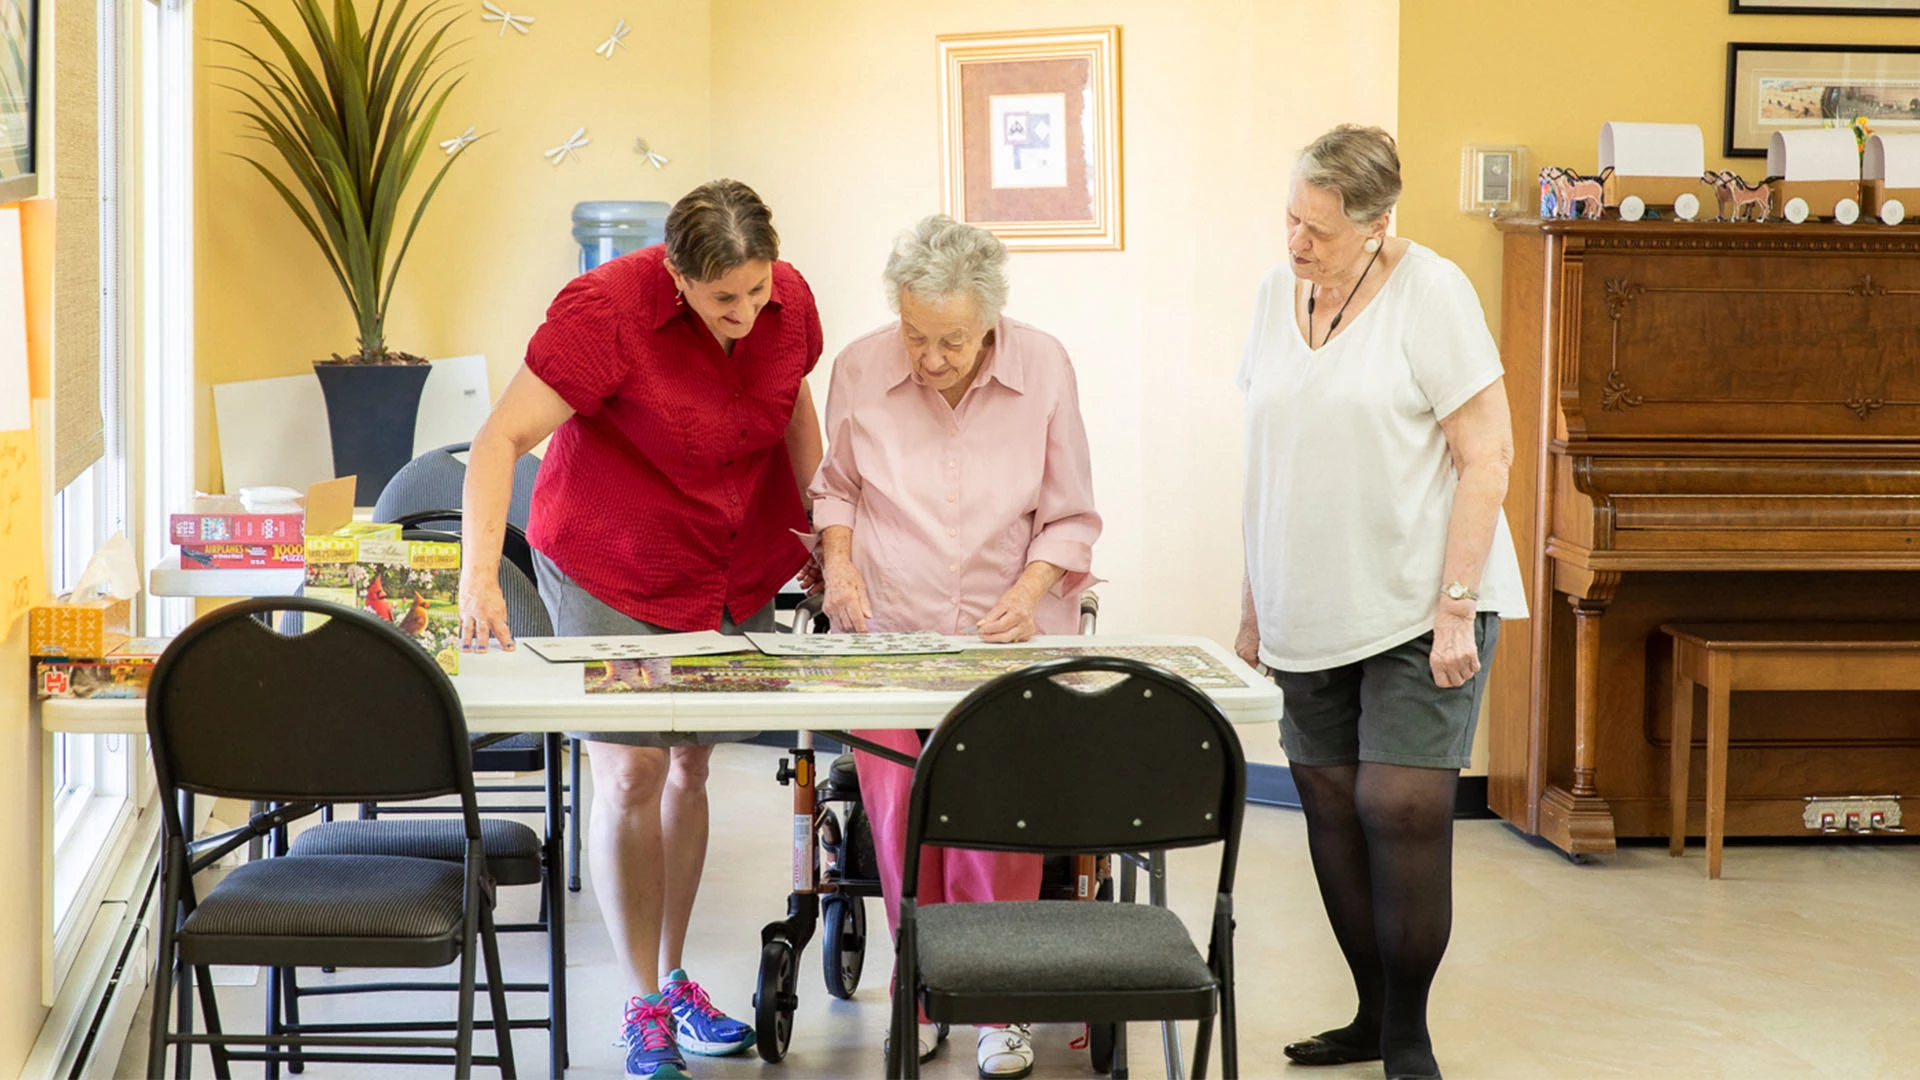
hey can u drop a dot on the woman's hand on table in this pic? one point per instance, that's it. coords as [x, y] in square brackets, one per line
[1012, 618]
[483, 613]
[1454, 658]
[846, 600]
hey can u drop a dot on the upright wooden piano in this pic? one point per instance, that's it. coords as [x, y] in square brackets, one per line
[1713, 422]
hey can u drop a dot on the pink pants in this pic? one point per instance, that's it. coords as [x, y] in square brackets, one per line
[947, 875]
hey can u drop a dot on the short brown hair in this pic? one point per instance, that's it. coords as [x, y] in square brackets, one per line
[1360, 164]
[718, 226]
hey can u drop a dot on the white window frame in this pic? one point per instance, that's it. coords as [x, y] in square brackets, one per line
[100, 785]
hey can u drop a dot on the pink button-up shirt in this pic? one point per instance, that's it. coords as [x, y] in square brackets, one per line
[949, 505]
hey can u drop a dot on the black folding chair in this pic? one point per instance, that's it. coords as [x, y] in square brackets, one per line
[515, 854]
[238, 710]
[1159, 768]
[428, 491]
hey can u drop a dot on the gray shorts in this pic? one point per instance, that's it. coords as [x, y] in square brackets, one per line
[1385, 708]
[578, 613]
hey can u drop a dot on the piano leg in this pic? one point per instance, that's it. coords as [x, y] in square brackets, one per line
[1579, 821]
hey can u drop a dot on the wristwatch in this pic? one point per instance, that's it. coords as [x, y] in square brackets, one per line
[1456, 591]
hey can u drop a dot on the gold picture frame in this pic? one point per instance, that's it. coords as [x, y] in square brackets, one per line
[1031, 146]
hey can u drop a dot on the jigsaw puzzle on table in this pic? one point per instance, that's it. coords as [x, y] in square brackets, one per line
[894, 644]
[954, 672]
[564, 650]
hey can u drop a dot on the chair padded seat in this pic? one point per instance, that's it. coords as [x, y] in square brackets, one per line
[513, 850]
[843, 776]
[330, 910]
[1056, 947]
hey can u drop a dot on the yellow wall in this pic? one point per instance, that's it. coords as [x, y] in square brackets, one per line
[831, 109]
[21, 799]
[495, 245]
[1493, 72]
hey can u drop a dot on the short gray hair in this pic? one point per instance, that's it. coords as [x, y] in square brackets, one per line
[943, 257]
[1359, 164]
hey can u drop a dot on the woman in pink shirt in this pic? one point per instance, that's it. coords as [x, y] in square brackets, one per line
[956, 496]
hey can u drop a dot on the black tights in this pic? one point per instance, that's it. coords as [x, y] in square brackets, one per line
[1381, 837]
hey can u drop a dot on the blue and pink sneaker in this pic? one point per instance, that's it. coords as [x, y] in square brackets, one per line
[702, 1028]
[651, 1053]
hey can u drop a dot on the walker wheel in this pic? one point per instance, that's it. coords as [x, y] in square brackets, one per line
[843, 948]
[774, 1000]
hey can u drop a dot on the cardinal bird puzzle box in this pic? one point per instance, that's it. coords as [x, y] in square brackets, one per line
[413, 584]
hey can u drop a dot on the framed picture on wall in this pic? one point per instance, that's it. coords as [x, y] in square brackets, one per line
[1773, 87]
[19, 74]
[1824, 7]
[1031, 136]
[1492, 179]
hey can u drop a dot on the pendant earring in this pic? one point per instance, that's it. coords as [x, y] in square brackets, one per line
[1372, 245]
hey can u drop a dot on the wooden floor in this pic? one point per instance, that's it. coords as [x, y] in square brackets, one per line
[1800, 963]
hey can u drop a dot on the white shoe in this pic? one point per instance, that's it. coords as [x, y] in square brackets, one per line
[931, 1035]
[1006, 1053]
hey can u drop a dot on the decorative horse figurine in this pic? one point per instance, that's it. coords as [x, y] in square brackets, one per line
[1570, 189]
[1739, 201]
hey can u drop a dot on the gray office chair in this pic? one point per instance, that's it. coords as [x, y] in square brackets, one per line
[435, 481]
[238, 710]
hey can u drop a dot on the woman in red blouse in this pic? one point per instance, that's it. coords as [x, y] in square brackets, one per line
[673, 382]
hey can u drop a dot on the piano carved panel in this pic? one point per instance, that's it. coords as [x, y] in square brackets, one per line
[1714, 421]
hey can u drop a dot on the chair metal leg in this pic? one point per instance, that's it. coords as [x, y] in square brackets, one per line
[573, 815]
[183, 1004]
[163, 973]
[276, 1001]
[290, 986]
[1157, 896]
[556, 912]
[463, 1029]
[496, 997]
[222, 1068]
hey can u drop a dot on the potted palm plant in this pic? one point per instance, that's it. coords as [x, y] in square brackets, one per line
[349, 119]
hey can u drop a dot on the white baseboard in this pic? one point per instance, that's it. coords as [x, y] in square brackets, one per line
[87, 1025]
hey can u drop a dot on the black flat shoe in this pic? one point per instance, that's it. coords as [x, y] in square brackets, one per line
[1320, 1050]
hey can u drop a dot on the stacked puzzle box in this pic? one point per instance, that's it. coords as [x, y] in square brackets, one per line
[413, 584]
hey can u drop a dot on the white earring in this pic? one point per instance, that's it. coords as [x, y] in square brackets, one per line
[1372, 245]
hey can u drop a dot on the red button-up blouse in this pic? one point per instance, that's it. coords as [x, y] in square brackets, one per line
[669, 494]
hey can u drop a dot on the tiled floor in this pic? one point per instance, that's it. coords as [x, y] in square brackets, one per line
[1801, 963]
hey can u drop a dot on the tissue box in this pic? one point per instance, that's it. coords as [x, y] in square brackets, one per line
[121, 674]
[413, 584]
[86, 631]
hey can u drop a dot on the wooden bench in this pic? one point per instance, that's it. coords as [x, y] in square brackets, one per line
[1725, 657]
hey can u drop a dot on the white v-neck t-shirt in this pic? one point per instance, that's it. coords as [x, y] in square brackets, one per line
[1349, 483]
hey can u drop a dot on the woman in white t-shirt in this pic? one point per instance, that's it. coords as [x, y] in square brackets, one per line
[1378, 568]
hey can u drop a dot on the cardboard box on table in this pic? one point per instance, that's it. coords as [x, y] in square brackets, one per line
[413, 584]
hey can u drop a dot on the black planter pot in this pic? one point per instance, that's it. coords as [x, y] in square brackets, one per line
[371, 410]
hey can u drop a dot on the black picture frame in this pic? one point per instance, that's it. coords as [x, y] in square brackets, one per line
[1732, 144]
[19, 99]
[1754, 7]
